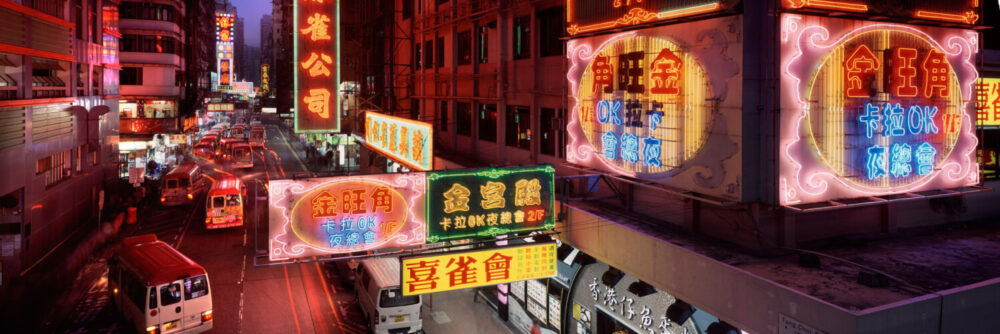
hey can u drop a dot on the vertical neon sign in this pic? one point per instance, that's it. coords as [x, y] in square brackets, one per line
[317, 66]
[224, 48]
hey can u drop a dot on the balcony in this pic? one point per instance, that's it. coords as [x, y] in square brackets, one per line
[149, 25]
[150, 58]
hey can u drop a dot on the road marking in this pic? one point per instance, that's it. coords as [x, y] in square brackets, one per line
[190, 217]
[296, 155]
[243, 274]
[291, 301]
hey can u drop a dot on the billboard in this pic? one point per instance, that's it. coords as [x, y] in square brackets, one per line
[461, 270]
[873, 109]
[586, 16]
[404, 140]
[342, 215]
[219, 107]
[464, 204]
[988, 102]
[317, 66]
[661, 104]
[224, 30]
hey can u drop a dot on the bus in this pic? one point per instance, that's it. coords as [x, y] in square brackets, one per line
[204, 149]
[158, 289]
[238, 131]
[226, 147]
[224, 207]
[181, 184]
[257, 135]
[242, 156]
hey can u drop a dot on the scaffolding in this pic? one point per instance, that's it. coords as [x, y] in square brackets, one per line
[387, 73]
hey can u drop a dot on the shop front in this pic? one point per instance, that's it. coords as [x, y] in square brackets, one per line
[166, 150]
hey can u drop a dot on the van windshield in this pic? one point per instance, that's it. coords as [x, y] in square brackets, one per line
[171, 183]
[394, 298]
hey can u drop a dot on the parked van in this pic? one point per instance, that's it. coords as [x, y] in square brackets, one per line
[381, 298]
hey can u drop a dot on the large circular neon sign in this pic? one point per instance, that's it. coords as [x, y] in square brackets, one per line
[349, 215]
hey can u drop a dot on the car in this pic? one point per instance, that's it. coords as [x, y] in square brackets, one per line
[343, 270]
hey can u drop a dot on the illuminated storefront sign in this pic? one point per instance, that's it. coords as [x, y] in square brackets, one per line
[242, 87]
[224, 30]
[341, 215]
[584, 16]
[658, 103]
[265, 79]
[317, 66]
[461, 270]
[219, 107]
[874, 109]
[488, 202]
[404, 140]
[988, 102]
[964, 12]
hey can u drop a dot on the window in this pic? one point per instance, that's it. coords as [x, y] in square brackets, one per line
[195, 287]
[443, 116]
[54, 168]
[428, 54]
[95, 25]
[463, 114]
[552, 133]
[131, 76]
[488, 122]
[218, 202]
[170, 294]
[171, 183]
[550, 30]
[483, 43]
[522, 37]
[440, 52]
[465, 48]
[150, 43]
[417, 57]
[518, 127]
[393, 297]
[440, 2]
[78, 18]
[148, 11]
[152, 298]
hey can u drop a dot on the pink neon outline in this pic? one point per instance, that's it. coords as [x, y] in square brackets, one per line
[579, 150]
[819, 180]
[282, 250]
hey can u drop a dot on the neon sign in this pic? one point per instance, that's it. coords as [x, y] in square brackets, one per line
[461, 270]
[317, 66]
[964, 12]
[874, 110]
[342, 215]
[585, 16]
[265, 79]
[657, 103]
[224, 30]
[488, 202]
[405, 140]
[988, 102]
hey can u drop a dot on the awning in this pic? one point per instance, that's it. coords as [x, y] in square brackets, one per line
[42, 64]
[4, 61]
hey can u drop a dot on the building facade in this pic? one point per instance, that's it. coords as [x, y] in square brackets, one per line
[59, 101]
[691, 137]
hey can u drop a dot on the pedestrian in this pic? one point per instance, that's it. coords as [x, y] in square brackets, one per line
[329, 158]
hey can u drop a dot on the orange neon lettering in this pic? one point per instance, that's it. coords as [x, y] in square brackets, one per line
[969, 17]
[936, 74]
[353, 201]
[315, 64]
[665, 73]
[603, 74]
[318, 28]
[859, 68]
[318, 102]
[382, 199]
[903, 72]
[324, 205]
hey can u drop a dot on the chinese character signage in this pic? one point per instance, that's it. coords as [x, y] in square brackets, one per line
[317, 66]
[219, 107]
[341, 215]
[586, 16]
[874, 109]
[960, 12]
[988, 102]
[265, 79]
[404, 140]
[660, 104]
[475, 203]
[460, 270]
[224, 30]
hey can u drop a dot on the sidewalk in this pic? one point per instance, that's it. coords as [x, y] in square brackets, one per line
[457, 312]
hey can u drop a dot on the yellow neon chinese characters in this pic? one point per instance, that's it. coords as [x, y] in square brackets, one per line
[492, 195]
[315, 64]
[456, 199]
[318, 28]
[527, 192]
[318, 102]
[417, 147]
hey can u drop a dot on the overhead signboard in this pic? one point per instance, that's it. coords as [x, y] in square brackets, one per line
[219, 107]
[317, 66]
[461, 270]
[342, 215]
[404, 140]
[265, 79]
[960, 12]
[224, 30]
[587, 16]
[475, 203]
[874, 109]
[988, 102]
[660, 104]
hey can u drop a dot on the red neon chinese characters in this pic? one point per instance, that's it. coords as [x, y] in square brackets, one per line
[603, 73]
[951, 123]
[324, 205]
[464, 273]
[665, 73]
[318, 27]
[315, 65]
[903, 72]
[497, 267]
[936, 73]
[859, 68]
[630, 72]
[318, 102]
[422, 275]
[353, 201]
[381, 199]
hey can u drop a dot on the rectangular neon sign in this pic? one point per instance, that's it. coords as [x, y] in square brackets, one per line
[219, 107]
[962, 12]
[342, 215]
[265, 79]
[988, 102]
[404, 140]
[317, 66]
[461, 270]
[586, 16]
[475, 203]
[224, 30]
